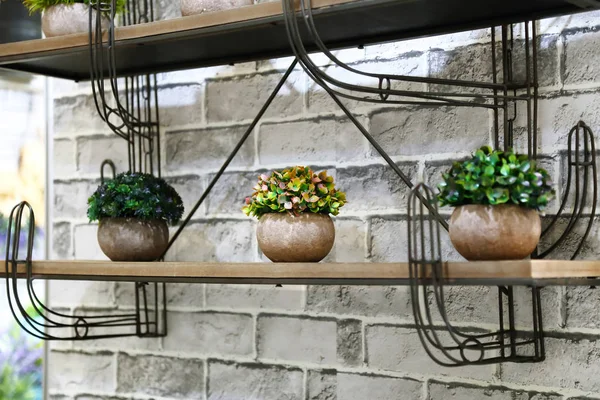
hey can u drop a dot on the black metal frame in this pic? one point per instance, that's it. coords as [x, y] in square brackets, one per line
[44, 323]
[136, 120]
[446, 344]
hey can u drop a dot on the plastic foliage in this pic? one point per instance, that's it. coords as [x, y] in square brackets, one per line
[40, 5]
[496, 177]
[295, 190]
[136, 195]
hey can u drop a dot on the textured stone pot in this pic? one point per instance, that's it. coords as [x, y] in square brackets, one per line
[503, 232]
[62, 19]
[193, 7]
[285, 238]
[129, 239]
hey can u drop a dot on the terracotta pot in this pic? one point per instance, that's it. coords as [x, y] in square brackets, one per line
[193, 7]
[130, 239]
[503, 232]
[62, 19]
[285, 238]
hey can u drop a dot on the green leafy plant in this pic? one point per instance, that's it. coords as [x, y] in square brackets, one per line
[40, 5]
[136, 195]
[295, 190]
[496, 177]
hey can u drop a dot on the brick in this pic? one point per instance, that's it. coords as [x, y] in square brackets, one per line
[389, 238]
[375, 187]
[219, 240]
[349, 346]
[558, 113]
[570, 23]
[206, 148]
[93, 150]
[459, 391]
[86, 243]
[75, 372]
[581, 58]
[577, 356]
[547, 63]
[94, 397]
[160, 376]
[395, 348]
[467, 63]
[70, 198]
[73, 294]
[77, 115]
[190, 188]
[413, 131]
[53, 396]
[350, 240]
[210, 333]
[230, 192]
[253, 382]
[321, 385]
[334, 385]
[582, 303]
[181, 105]
[288, 297]
[360, 300]
[64, 160]
[61, 241]
[577, 177]
[189, 295]
[223, 96]
[479, 304]
[320, 140]
[411, 64]
[275, 333]
[566, 248]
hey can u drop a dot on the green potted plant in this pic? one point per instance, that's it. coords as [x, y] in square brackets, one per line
[192, 7]
[293, 208]
[66, 17]
[133, 210]
[497, 196]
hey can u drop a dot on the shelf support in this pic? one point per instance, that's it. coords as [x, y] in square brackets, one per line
[30, 313]
[445, 343]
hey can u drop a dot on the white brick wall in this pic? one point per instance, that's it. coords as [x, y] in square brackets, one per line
[232, 342]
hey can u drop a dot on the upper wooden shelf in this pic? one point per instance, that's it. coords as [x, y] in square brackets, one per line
[538, 272]
[258, 32]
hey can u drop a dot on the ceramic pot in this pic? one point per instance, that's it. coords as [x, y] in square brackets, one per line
[130, 239]
[502, 232]
[193, 7]
[286, 238]
[62, 19]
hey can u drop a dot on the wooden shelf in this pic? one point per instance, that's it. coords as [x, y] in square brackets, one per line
[258, 32]
[538, 272]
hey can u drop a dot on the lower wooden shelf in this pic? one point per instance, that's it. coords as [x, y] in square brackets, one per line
[525, 272]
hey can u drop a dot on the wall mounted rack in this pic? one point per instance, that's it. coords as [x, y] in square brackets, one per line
[296, 28]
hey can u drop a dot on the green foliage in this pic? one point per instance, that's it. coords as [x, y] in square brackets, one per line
[295, 190]
[40, 5]
[136, 195]
[15, 387]
[496, 177]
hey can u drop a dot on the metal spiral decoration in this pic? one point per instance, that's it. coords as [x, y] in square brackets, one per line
[446, 344]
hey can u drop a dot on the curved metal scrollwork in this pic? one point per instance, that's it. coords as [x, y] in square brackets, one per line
[129, 105]
[43, 323]
[582, 176]
[446, 344]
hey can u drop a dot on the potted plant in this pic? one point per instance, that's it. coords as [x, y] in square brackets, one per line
[133, 210]
[293, 208]
[193, 7]
[66, 17]
[497, 196]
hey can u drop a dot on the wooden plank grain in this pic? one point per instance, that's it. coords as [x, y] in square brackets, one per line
[181, 25]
